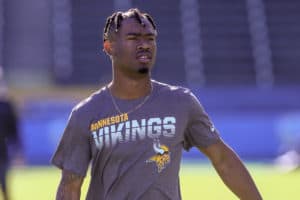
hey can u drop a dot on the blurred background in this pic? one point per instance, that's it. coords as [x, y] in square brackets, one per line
[240, 57]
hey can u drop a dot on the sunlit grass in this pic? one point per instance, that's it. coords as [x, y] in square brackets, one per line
[198, 181]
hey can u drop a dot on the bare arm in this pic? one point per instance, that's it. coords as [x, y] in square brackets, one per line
[69, 187]
[232, 171]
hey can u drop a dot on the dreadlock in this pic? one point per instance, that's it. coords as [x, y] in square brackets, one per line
[113, 22]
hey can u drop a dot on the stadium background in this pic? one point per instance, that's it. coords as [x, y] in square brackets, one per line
[241, 58]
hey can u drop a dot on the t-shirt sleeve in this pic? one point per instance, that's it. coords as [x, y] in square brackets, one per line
[200, 131]
[73, 152]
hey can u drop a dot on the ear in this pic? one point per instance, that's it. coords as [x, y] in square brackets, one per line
[107, 47]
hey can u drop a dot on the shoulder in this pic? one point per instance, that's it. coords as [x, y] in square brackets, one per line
[178, 91]
[90, 103]
[179, 94]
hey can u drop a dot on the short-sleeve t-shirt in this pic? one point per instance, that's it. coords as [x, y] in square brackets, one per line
[134, 155]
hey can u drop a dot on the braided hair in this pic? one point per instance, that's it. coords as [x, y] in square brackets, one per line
[113, 22]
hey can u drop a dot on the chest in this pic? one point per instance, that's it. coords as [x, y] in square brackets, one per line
[127, 134]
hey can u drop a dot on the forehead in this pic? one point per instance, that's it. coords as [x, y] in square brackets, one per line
[131, 25]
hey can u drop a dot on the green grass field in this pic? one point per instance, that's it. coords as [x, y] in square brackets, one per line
[198, 181]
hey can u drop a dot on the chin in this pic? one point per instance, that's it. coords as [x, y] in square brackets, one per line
[143, 70]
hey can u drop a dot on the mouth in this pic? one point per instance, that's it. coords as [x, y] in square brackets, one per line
[144, 57]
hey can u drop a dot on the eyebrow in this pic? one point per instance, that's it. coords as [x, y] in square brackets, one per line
[139, 34]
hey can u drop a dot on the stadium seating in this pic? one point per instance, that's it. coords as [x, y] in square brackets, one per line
[246, 116]
[284, 30]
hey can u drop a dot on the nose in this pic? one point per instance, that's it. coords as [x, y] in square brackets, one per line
[144, 45]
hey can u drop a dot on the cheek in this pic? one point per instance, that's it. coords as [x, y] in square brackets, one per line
[155, 48]
[119, 52]
[154, 51]
[126, 49]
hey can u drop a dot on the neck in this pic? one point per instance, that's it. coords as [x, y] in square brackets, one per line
[126, 88]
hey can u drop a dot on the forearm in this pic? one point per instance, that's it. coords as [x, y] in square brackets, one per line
[235, 175]
[69, 187]
[67, 193]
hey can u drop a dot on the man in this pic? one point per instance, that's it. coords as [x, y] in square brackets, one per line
[8, 134]
[133, 130]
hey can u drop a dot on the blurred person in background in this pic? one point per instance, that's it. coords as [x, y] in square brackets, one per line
[288, 131]
[9, 138]
[133, 130]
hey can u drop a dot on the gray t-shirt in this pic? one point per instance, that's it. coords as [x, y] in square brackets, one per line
[134, 156]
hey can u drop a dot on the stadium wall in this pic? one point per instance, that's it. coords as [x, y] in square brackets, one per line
[258, 124]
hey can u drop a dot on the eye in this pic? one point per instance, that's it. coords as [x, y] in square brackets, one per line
[151, 38]
[131, 38]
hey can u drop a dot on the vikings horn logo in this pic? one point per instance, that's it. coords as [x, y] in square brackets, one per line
[162, 157]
